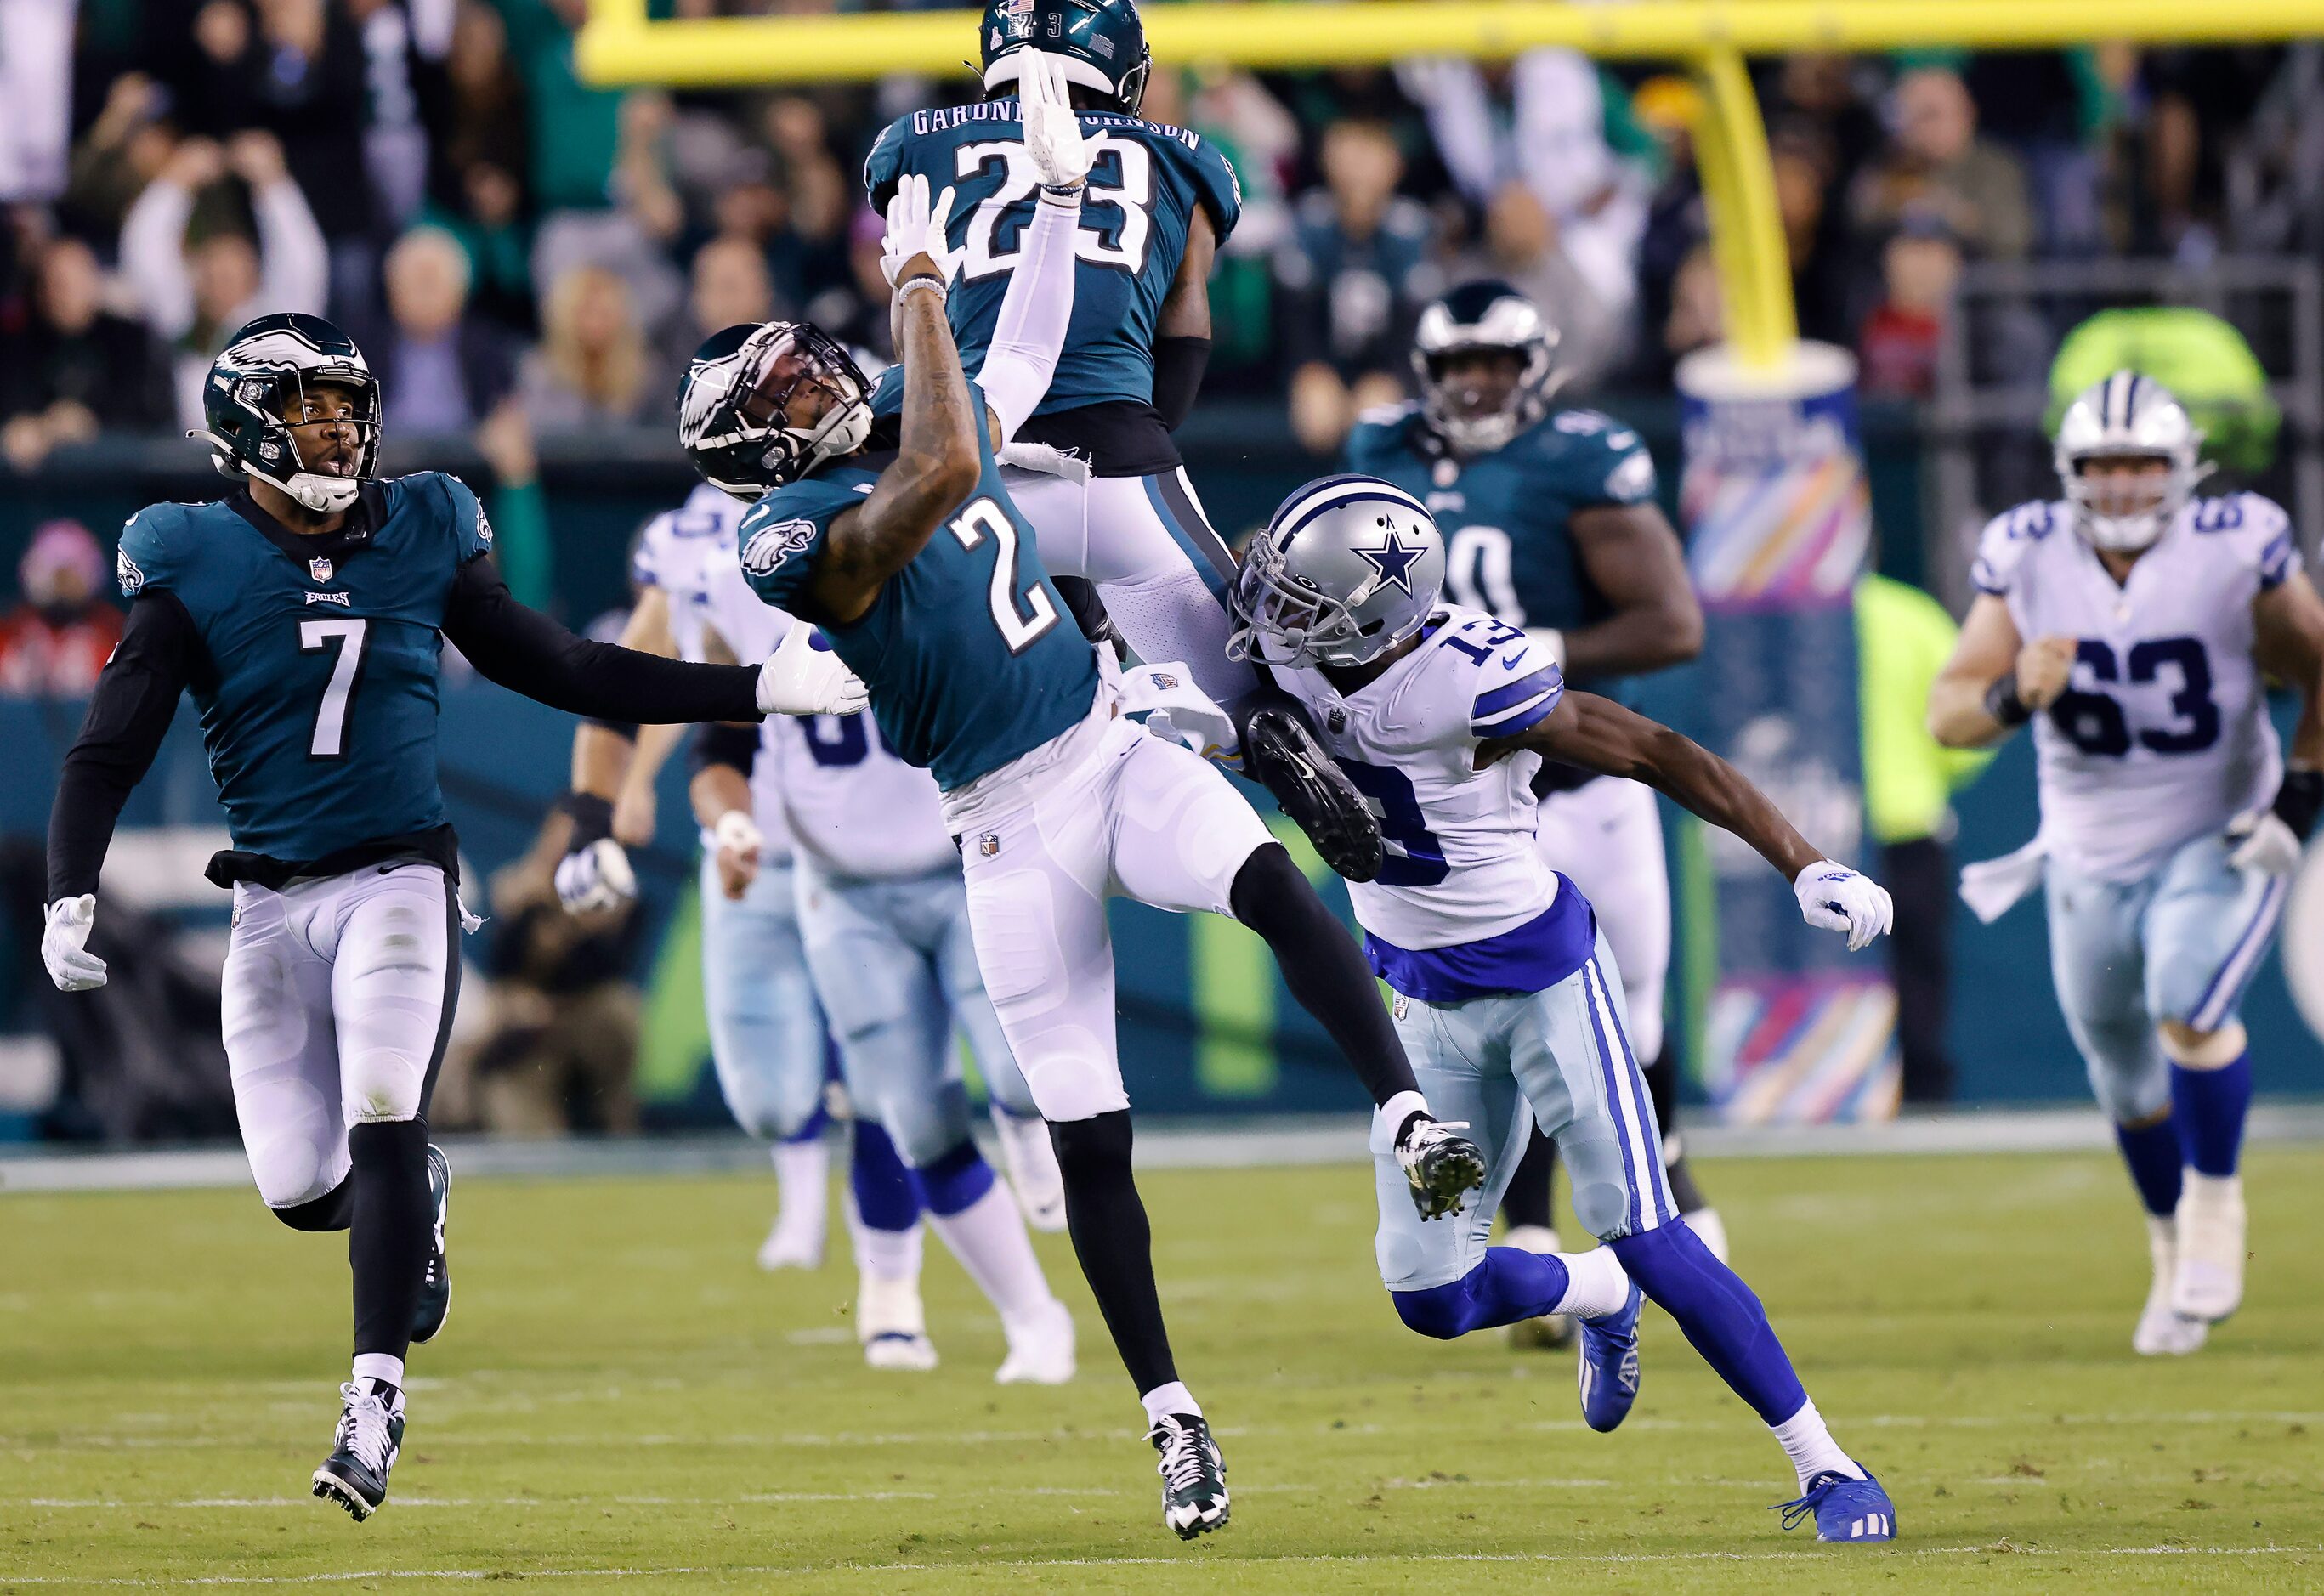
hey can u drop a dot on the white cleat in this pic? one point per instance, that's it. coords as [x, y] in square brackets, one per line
[1040, 1349]
[790, 1246]
[2208, 1282]
[2161, 1333]
[1550, 1333]
[1710, 1230]
[1031, 1161]
[892, 1325]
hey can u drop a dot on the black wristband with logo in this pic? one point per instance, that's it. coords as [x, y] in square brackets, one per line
[2003, 704]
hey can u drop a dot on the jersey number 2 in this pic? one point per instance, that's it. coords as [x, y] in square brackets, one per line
[972, 526]
[329, 741]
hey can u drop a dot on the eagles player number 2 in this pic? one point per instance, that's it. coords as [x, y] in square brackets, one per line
[1122, 178]
[330, 739]
[1018, 631]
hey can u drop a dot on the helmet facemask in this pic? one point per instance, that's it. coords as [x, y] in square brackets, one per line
[1285, 622]
[270, 413]
[2127, 417]
[734, 407]
[1363, 589]
[1456, 326]
[2123, 519]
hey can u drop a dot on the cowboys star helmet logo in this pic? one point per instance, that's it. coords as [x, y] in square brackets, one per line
[1393, 560]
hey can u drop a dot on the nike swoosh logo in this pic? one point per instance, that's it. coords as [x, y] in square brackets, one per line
[1513, 661]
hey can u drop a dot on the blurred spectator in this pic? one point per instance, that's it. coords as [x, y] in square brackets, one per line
[1522, 245]
[862, 321]
[483, 120]
[36, 59]
[809, 253]
[1354, 278]
[403, 44]
[123, 149]
[1937, 163]
[591, 369]
[730, 285]
[77, 368]
[441, 368]
[1919, 267]
[574, 128]
[196, 287]
[2198, 99]
[1698, 312]
[58, 638]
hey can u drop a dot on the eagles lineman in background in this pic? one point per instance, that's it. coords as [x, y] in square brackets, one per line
[1095, 470]
[305, 613]
[1550, 525]
[2130, 622]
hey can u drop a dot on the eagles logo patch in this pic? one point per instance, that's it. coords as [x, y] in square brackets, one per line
[484, 529]
[769, 547]
[126, 571]
[1633, 479]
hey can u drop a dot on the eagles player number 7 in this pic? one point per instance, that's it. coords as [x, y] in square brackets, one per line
[330, 739]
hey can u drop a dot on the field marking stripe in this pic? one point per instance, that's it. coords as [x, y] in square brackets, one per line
[1982, 1548]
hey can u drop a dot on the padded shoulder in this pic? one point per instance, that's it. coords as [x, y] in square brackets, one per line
[2002, 546]
[1598, 460]
[2255, 527]
[154, 548]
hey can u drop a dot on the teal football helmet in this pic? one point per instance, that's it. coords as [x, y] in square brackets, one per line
[1102, 43]
[261, 377]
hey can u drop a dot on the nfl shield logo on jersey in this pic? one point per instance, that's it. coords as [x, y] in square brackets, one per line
[319, 569]
[988, 844]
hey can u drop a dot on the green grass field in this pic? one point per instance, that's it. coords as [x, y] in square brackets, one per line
[621, 1399]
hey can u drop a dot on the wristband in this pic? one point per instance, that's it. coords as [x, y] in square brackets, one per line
[2003, 704]
[2300, 799]
[1065, 194]
[926, 280]
[593, 819]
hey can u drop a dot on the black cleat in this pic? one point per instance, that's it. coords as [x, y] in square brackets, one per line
[1193, 1475]
[369, 1435]
[436, 1290]
[1442, 1168]
[1283, 755]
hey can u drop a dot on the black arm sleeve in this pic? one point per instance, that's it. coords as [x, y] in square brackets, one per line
[719, 744]
[128, 717]
[527, 652]
[1178, 365]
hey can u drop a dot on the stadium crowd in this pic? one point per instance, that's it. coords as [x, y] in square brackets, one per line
[516, 251]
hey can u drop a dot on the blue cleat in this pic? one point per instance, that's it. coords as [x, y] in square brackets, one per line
[1609, 1365]
[1845, 1509]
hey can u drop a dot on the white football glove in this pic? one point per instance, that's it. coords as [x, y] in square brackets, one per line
[2263, 844]
[1053, 132]
[597, 877]
[915, 228]
[1834, 897]
[803, 676]
[64, 944]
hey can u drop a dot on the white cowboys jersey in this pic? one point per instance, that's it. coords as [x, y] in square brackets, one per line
[1460, 866]
[828, 783]
[2162, 732]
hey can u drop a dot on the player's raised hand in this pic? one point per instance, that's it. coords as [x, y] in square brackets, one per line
[64, 944]
[1053, 132]
[2044, 666]
[804, 677]
[1834, 897]
[916, 227]
[740, 843]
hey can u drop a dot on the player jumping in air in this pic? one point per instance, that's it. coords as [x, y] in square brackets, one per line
[886, 523]
[1550, 525]
[1093, 470]
[305, 613]
[2130, 620]
[1506, 992]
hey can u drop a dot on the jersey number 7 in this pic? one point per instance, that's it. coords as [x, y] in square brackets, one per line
[329, 741]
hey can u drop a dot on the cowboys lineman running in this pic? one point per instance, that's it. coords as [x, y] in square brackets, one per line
[1507, 990]
[2129, 621]
[306, 613]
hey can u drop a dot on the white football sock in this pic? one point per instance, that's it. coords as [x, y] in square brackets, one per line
[1809, 1446]
[382, 1367]
[803, 1184]
[1163, 1400]
[884, 1255]
[989, 1238]
[1595, 1284]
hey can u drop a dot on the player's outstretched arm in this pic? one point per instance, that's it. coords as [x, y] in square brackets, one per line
[2288, 641]
[609, 758]
[1994, 681]
[128, 716]
[1633, 555]
[1029, 333]
[1599, 735]
[1182, 332]
[723, 757]
[939, 454]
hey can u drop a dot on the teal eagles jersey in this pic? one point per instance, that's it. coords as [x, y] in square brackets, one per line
[1146, 181]
[317, 687]
[968, 652]
[1507, 550]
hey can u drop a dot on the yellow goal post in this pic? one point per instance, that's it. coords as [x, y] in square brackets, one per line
[622, 45]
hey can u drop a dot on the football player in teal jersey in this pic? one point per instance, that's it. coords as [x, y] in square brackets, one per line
[306, 613]
[1551, 526]
[885, 522]
[1093, 470]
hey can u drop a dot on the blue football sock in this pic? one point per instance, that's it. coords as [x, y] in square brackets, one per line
[1510, 1285]
[887, 1192]
[2210, 1106]
[816, 1124]
[955, 1180]
[1718, 1314]
[2152, 1151]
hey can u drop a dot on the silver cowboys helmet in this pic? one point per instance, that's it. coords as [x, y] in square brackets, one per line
[1474, 318]
[2127, 416]
[1349, 568]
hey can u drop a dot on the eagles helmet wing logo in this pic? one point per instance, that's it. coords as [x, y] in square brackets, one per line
[770, 546]
[126, 571]
[484, 529]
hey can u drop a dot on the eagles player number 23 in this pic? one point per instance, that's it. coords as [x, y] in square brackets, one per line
[1120, 179]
